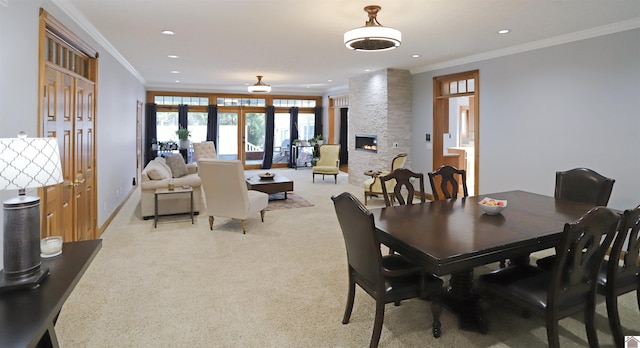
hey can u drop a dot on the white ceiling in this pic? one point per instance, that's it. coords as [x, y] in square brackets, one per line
[298, 44]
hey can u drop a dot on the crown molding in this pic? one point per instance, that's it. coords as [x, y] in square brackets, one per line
[86, 25]
[554, 41]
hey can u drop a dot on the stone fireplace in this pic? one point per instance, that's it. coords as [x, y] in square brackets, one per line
[366, 142]
[379, 107]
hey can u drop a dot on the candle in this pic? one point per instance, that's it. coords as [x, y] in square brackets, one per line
[51, 245]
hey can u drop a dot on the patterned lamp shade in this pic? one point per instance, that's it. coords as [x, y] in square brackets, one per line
[29, 162]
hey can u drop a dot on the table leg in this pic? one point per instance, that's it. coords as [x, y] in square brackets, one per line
[49, 338]
[155, 205]
[462, 300]
[191, 207]
[285, 194]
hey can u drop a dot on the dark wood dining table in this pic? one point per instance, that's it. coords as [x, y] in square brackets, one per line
[451, 237]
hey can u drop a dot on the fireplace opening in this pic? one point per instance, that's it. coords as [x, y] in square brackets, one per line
[367, 142]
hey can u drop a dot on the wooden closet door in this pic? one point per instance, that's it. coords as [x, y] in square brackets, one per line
[84, 177]
[58, 104]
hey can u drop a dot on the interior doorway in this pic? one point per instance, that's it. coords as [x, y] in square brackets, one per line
[456, 130]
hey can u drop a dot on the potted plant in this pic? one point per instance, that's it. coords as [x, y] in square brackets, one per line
[154, 144]
[170, 145]
[312, 141]
[320, 139]
[183, 136]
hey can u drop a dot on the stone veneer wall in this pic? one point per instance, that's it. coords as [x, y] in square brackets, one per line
[379, 104]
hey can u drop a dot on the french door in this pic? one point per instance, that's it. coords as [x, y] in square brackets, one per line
[241, 135]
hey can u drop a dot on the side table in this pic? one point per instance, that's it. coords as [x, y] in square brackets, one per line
[28, 317]
[166, 191]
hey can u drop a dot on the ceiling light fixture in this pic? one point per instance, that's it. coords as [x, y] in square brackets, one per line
[259, 87]
[503, 31]
[168, 32]
[373, 36]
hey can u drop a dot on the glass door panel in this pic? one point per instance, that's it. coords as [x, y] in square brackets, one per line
[306, 126]
[254, 133]
[281, 138]
[227, 135]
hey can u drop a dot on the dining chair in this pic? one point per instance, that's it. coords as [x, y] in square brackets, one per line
[328, 163]
[402, 178]
[401, 182]
[449, 186]
[583, 185]
[620, 274]
[226, 193]
[570, 286]
[389, 278]
[205, 149]
[580, 185]
[373, 187]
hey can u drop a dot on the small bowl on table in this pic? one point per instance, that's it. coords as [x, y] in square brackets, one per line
[50, 246]
[266, 176]
[491, 206]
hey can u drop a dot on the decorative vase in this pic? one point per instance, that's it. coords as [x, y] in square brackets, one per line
[184, 144]
[320, 142]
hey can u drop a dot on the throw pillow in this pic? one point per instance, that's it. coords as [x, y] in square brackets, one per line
[160, 161]
[177, 165]
[156, 172]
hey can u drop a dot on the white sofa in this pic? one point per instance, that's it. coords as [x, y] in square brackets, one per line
[157, 174]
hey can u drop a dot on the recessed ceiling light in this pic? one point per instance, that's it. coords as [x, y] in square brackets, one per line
[415, 56]
[173, 56]
[175, 72]
[367, 70]
[503, 31]
[177, 80]
[329, 80]
[168, 32]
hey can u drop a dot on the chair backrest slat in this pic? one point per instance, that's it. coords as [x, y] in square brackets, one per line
[584, 244]
[628, 233]
[402, 178]
[448, 184]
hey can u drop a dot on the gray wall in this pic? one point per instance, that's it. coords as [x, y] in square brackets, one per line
[118, 91]
[556, 108]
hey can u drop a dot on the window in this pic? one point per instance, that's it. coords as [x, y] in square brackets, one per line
[465, 86]
[241, 102]
[197, 125]
[177, 100]
[301, 103]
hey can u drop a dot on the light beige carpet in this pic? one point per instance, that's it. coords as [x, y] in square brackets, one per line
[293, 200]
[283, 284]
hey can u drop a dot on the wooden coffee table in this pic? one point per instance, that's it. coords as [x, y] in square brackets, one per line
[276, 184]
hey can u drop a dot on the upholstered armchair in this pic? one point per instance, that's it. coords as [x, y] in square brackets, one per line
[205, 149]
[226, 193]
[329, 162]
[372, 186]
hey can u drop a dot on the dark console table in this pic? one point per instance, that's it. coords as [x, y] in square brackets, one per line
[27, 317]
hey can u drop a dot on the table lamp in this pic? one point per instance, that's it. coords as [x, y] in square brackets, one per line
[25, 163]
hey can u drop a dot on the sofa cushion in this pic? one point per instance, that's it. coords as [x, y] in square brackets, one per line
[163, 163]
[155, 171]
[177, 165]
